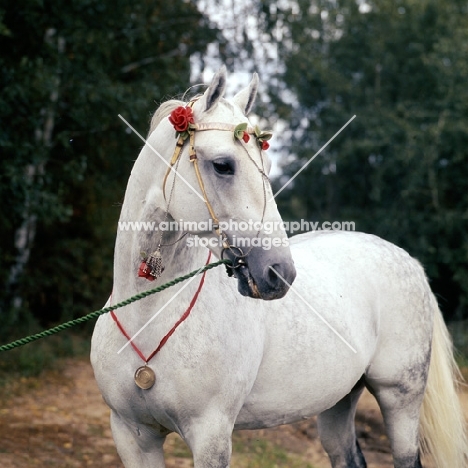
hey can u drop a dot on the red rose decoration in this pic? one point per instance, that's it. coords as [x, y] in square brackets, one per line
[144, 272]
[265, 145]
[181, 118]
[246, 137]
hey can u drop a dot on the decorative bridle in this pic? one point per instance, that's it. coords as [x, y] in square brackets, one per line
[184, 123]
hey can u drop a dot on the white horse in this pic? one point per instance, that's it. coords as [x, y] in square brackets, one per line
[359, 313]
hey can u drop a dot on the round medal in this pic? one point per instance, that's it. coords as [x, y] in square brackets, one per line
[145, 377]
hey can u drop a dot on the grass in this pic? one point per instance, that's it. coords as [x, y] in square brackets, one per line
[261, 453]
[30, 360]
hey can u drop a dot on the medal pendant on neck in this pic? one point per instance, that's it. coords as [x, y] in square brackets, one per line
[154, 264]
[145, 377]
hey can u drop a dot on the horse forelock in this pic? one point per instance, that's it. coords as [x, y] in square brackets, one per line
[163, 111]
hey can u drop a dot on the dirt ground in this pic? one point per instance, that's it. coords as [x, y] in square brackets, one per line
[60, 420]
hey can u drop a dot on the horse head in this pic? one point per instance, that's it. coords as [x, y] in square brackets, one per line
[225, 168]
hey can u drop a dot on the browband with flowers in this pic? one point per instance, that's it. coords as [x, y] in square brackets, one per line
[183, 121]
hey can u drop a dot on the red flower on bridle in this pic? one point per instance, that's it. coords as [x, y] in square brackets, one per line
[181, 118]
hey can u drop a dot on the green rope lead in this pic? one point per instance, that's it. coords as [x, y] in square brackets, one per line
[97, 313]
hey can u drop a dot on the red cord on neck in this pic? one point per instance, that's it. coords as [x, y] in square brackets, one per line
[172, 330]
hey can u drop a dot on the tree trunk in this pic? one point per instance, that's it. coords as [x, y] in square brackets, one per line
[26, 232]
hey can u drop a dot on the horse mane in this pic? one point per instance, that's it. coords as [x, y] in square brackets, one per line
[163, 111]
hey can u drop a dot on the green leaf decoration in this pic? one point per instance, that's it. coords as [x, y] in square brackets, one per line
[184, 135]
[239, 130]
[266, 135]
[262, 135]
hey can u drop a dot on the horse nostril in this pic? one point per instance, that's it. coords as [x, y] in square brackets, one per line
[274, 275]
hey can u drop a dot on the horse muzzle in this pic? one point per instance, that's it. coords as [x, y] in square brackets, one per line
[261, 275]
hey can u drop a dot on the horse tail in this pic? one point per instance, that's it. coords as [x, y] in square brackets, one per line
[442, 424]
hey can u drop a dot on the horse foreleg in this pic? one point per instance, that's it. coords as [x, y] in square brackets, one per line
[337, 432]
[138, 447]
[210, 441]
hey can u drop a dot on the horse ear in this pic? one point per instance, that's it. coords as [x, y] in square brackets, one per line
[215, 91]
[245, 99]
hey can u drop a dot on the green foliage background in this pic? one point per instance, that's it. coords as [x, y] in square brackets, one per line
[400, 170]
[69, 68]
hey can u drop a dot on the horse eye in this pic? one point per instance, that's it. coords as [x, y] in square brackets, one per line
[223, 167]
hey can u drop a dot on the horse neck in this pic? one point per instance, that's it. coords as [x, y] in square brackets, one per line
[144, 203]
